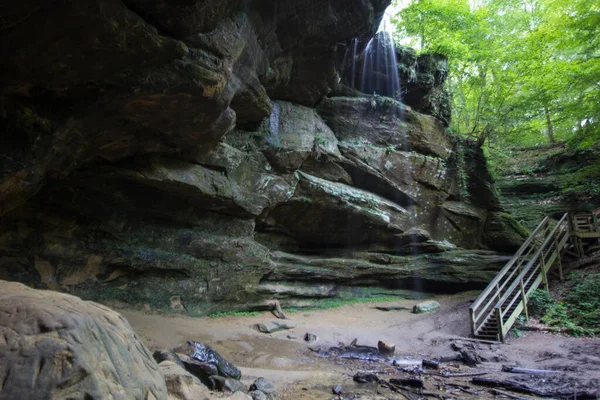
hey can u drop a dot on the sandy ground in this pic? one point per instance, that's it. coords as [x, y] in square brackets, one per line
[299, 373]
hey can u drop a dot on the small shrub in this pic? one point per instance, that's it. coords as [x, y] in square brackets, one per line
[579, 311]
[539, 303]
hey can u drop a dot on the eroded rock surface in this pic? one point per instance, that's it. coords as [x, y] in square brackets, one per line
[188, 151]
[54, 345]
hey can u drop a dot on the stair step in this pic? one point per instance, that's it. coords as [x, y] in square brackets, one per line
[488, 326]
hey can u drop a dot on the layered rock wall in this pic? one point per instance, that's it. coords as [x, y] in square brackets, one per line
[189, 149]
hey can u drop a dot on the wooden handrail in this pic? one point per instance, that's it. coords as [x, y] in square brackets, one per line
[488, 290]
[531, 263]
[505, 297]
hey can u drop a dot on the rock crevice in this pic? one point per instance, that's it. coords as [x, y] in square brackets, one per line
[203, 150]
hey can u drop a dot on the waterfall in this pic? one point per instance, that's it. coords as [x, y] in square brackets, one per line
[377, 64]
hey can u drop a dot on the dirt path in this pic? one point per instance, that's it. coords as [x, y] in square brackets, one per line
[285, 359]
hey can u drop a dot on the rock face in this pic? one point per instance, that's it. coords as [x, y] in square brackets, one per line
[422, 77]
[549, 180]
[185, 154]
[55, 345]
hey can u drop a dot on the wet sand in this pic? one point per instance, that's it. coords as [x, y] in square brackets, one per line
[298, 373]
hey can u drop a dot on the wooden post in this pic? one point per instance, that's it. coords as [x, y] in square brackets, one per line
[472, 315]
[523, 295]
[500, 324]
[558, 257]
[498, 297]
[573, 234]
[544, 276]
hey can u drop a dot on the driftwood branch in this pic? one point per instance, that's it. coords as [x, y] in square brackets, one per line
[527, 371]
[459, 374]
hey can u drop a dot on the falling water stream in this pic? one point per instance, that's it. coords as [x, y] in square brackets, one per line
[378, 66]
[374, 71]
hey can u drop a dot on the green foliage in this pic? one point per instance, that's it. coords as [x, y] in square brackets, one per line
[539, 303]
[527, 68]
[579, 310]
[234, 314]
[586, 180]
[584, 301]
[321, 139]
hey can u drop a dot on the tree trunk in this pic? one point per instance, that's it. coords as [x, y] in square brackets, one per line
[550, 130]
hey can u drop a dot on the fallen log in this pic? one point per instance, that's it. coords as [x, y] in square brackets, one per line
[478, 341]
[459, 374]
[419, 392]
[430, 364]
[527, 371]
[391, 308]
[522, 388]
[462, 388]
[499, 392]
[454, 357]
[515, 387]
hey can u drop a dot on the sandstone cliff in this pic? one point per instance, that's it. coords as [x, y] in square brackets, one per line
[206, 149]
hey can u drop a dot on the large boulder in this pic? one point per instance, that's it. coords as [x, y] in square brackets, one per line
[319, 208]
[54, 345]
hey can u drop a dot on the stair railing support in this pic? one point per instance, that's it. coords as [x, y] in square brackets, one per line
[500, 324]
[498, 296]
[472, 316]
[573, 234]
[544, 274]
[524, 299]
[558, 258]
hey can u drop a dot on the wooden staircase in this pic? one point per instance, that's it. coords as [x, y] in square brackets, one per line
[497, 308]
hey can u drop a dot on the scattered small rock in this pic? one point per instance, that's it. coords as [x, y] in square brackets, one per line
[181, 384]
[386, 349]
[258, 395]
[457, 346]
[201, 370]
[237, 396]
[412, 382]
[167, 355]
[310, 337]
[426, 306]
[264, 386]
[275, 326]
[337, 390]
[205, 354]
[365, 377]
[176, 303]
[292, 337]
[224, 384]
[470, 358]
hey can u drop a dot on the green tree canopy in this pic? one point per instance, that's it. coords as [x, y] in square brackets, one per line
[529, 69]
